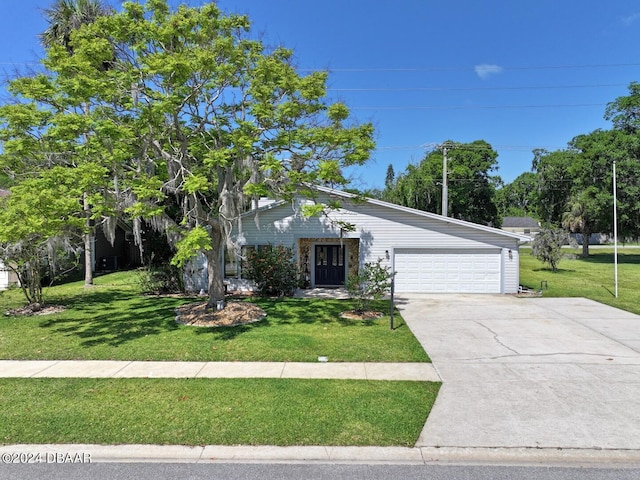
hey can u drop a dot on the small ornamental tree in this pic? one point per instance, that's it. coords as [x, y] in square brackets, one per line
[273, 270]
[372, 282]
[41, 222]
[547, 246]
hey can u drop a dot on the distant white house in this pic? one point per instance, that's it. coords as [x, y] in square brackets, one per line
[428, 252]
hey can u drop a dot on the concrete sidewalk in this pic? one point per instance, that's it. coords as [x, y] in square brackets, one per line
[420, 372]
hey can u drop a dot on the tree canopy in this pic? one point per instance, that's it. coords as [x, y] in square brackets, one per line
[470, 183]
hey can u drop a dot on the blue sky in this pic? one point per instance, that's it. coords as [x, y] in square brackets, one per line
[518, 74]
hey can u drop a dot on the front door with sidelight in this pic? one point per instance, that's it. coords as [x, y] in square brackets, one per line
[329, 265]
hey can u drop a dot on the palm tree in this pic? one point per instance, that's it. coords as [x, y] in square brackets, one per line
[65, 17]
[577, 218]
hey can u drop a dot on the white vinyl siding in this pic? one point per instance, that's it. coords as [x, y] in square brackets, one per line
[4, 277]
[382, 230]
[447, 271]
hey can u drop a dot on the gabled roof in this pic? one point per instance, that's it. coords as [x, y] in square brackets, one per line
[519, 222]
[413, 211]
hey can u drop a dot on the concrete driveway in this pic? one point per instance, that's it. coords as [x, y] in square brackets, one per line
[529, 372]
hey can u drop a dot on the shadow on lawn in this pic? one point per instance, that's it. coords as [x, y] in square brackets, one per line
[287, 311]
[230, 333]
[608, 258]
[559, 271]
[114, 317]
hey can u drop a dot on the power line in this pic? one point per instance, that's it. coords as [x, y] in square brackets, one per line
[472, 107]
[466, 89]
[431, 145]
[466, 68]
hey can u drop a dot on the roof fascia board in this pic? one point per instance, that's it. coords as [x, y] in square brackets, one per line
[433, 216]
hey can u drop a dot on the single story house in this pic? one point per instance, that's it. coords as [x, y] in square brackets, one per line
[522, 225]
[428, 252]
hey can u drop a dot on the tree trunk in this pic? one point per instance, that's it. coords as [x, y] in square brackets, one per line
[586, 234]
[88, 248]
[215, 269]
[88, 267]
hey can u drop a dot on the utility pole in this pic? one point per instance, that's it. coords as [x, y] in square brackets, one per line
[445, 188]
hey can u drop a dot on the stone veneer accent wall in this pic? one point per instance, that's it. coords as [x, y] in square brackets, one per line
[304, 251]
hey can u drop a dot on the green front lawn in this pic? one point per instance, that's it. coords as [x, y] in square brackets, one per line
[590, 278]
[213, 412]
[113, 321]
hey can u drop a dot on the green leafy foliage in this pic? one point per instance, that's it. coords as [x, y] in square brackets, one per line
[188, 114]
[547, 246]
[273, 269]
[518, 198]
[41, 223]
[195, 240]
[573, 188]
[471, 186]
[161, 279]
[372, 282]
[624, 112]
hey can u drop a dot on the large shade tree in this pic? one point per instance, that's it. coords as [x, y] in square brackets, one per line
[198, 118]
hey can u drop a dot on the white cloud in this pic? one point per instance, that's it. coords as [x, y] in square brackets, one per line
[629, 19]
[484, 71]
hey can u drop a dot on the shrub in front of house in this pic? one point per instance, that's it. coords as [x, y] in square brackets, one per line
[372, 282]
[160, 279]
[273, 269]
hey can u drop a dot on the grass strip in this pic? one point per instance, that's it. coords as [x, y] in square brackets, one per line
[591, 277]
[214, 412]
[114, 321]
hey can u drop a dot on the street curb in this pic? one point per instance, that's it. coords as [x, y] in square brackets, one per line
[81, 453]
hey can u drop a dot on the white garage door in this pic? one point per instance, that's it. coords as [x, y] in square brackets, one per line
[447, 271]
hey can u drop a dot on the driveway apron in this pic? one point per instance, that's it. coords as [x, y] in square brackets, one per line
[529, 372]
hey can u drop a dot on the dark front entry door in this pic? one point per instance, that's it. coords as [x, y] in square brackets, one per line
[329, 265]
